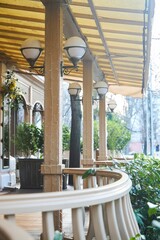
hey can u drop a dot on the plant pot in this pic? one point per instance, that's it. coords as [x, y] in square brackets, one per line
[30, 173]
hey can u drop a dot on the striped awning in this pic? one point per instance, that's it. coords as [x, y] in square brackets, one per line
[117, 33]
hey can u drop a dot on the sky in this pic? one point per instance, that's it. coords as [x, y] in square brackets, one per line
[156, 21]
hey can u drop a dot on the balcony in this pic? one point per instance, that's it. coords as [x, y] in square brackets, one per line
[100, 210]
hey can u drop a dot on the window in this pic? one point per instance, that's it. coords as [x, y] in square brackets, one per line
[38, 115]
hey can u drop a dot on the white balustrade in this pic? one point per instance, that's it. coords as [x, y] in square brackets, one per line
[106, 196]
[10, 231]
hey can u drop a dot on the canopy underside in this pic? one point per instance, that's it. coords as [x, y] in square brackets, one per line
[116, 32]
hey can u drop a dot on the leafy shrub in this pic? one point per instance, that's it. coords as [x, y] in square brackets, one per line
[65, 138]
[28, 139]
[144, 172]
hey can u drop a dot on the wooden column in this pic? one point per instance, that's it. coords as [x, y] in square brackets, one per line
[52, 167]
[52, 122]
[87, 114]
[102, 131]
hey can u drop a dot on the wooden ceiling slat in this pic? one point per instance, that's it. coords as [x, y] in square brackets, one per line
[138, 61]
[123, 10]
[131, 48]
[22, 24]
[128, 66]
[118, 52]
[120, 56]
[121, 75]
[122, 21]
[124, 83]
[125, 72]
[15, 35]
[23, 17]
[129, 79]
[13, 30]
[110, 20]
[114, 31]
[22, 5]
[124, 41]
[133, 71]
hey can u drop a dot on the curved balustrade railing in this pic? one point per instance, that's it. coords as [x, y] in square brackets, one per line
[106, 195]
[10, 231]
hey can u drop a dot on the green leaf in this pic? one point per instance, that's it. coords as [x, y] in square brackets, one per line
[152, 211]
[139, 218]
[134, 238]
[89, 172]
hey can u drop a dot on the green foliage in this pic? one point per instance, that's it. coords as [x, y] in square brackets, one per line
[136, 237]
[6, 139]
[28, 139]
[9, 87]
[65, 138]
[118, 134]
[40, 140]
[144, 172]
[89, 172]
[96, 135]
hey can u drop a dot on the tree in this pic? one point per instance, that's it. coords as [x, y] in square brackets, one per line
[118, 134]
[75, 146]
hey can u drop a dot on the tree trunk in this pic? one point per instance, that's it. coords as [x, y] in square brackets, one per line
[75, 135]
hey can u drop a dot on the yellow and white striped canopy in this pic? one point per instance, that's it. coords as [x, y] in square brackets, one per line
[117, 33]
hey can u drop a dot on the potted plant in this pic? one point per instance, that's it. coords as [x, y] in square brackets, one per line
[28, 141]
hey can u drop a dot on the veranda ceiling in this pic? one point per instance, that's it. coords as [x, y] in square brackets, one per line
[117, 32]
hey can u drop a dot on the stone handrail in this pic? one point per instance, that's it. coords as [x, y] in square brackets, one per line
[106, 195]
